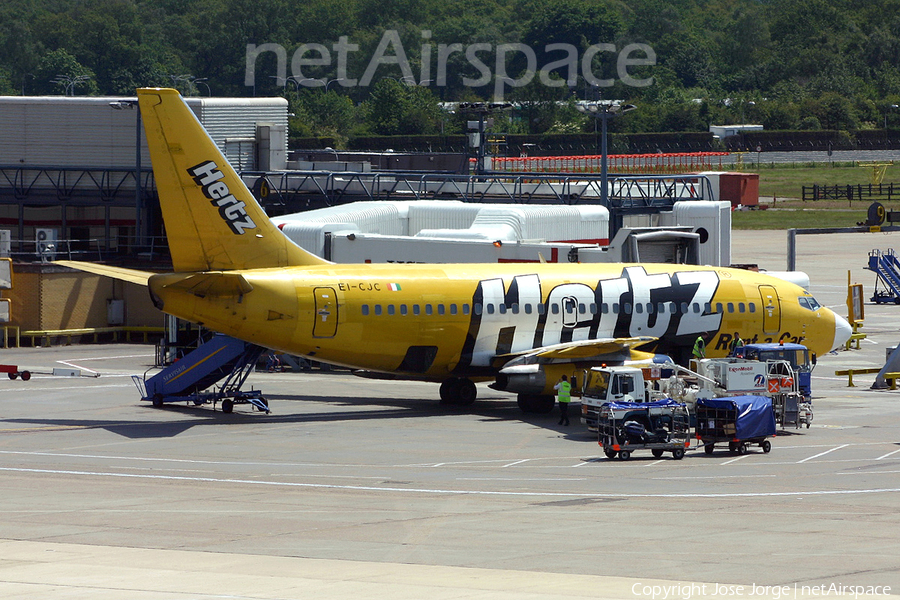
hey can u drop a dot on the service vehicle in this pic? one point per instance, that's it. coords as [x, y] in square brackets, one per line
[659, 426]
[801, 361]
[738, 420]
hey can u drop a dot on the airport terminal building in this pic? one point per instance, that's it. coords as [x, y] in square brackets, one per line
[70, 164]
[77, 183]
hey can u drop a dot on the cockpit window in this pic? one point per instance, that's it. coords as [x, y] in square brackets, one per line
[809, 302]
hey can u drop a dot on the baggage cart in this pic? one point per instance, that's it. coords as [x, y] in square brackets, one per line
[738, 420]
[661, 426]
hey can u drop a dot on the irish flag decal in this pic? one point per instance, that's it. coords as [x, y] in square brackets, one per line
[394, 287]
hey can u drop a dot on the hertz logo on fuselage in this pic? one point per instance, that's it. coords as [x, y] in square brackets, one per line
[207, 176]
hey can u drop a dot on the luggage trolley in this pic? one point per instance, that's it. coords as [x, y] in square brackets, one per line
[738, 420]
[661, 426]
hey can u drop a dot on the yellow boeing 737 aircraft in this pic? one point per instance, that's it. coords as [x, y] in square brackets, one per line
[521, 326]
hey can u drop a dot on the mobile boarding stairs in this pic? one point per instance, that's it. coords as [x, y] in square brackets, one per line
[222, 358]
[887, 276]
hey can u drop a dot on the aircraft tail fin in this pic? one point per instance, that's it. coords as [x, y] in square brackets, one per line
[212, 220]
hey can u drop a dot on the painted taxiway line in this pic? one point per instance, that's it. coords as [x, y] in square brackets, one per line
[438, 491]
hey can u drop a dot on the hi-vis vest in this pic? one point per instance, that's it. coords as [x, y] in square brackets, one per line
[565, 391]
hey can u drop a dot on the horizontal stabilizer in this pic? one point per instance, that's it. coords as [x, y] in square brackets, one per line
[120, 273]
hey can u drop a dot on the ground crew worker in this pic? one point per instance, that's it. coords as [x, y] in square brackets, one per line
[736, 343]
[563, 396]
[699, 348]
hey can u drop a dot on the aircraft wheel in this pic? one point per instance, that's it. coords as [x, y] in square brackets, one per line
[766, 446]
[709, 448]
[678, 453]
[467, 392]
[450, 390]
[157, 401]
[610, 453]
[657, 452]
[227, 405]
[624, 454]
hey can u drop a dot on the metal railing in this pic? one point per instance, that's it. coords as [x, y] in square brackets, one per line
[860, 191]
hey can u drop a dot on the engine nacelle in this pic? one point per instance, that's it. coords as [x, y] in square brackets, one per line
[538, 379]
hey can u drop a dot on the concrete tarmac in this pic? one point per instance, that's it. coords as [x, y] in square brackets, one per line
[372, 489]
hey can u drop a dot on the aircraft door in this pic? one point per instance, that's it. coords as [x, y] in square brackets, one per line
[771, 309]
[569, 311]
[326, 318]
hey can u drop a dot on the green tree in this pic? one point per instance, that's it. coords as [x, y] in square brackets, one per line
[58, 72]
[394, 108]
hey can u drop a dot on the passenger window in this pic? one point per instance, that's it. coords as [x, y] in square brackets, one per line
[515, 309]
[477, 309]
[502, 308]
[528, 308]
[453, 309]
[390, 309]
[541, 309]
[593, 308]
[465, 309]
[582, 309]
[415, 309]
[615, 308]
[752, 307]
[741, 307]
[440, 308]
[604, 308]
[707, 308]
[403, 309]
[731, 307]
[626, 308]
[428, 309]
[490, 308]
[639, 308]
[554, 308]
[365, 310]
[696, 308]
[684, 308]
[378, 310]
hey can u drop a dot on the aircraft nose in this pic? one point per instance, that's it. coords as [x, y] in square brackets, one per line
[842, 331]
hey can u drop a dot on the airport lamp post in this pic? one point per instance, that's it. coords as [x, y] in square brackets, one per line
[889, 109]
[138, 196]
[604, 111]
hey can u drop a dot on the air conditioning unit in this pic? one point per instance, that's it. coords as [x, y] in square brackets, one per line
[46, 244]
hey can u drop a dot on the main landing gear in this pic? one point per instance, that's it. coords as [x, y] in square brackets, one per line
[458, 390]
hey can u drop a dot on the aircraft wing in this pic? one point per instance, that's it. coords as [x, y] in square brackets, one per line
[121, 273]
[608, 349]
